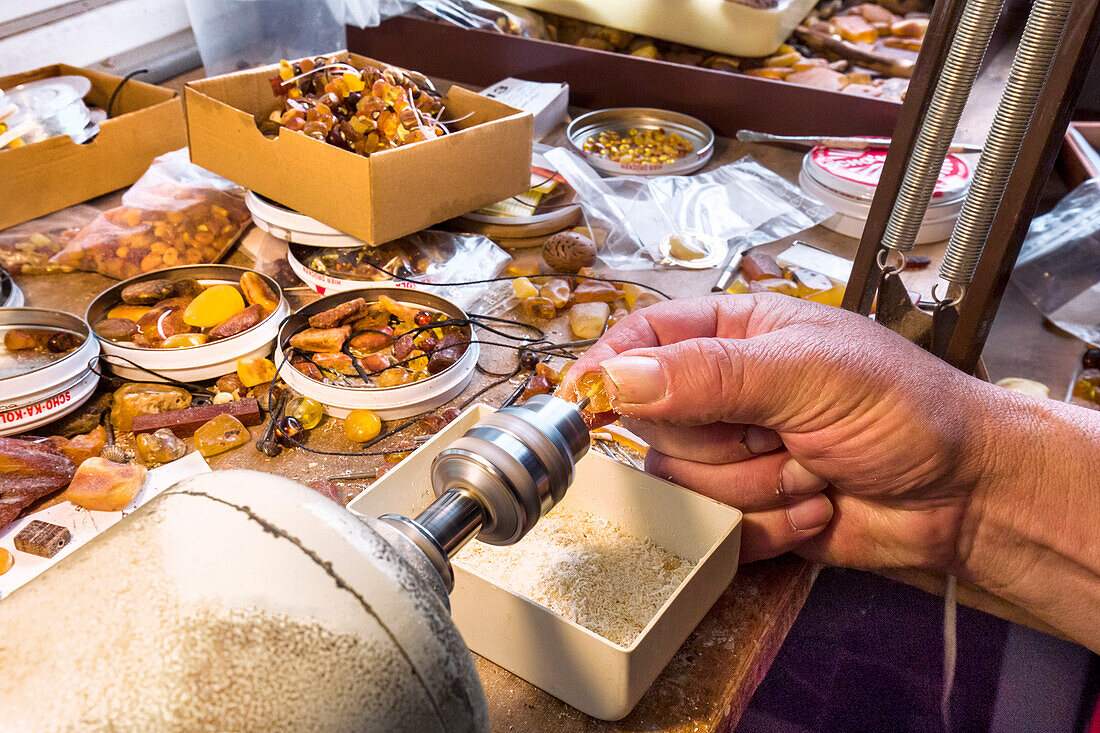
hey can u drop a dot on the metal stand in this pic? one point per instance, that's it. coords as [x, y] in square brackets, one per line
[1019, 155]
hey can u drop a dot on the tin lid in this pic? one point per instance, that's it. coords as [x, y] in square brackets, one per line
[287, 224]
[855, 173]
[624, 119]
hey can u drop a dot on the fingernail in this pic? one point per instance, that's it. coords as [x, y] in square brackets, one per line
[795, 479]
[634, 380]
[810, 514]
[760, 440]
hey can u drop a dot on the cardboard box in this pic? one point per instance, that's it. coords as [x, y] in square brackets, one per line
[49, 175]
[726, 101]
[377, 198]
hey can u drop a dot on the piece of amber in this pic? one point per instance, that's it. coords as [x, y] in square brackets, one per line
[592, 385]
[258, 292]
[220, 434]
[587, 320]
[833, 296]
[524, 288]
[213, 306]
[145, 398]
[645, 300]
[401, 310]
[255, 370]
[760, 266]
[394, 377]
[854, 28]
[809, 281]
[105, 486]
[557, 291]
[6, 561]
[526, 266]
[547, 372]
[361, 426]
[184, 340]
[129, 312]
[538, 307]
[535, 386]
[596, 291]
[631, 292]
[307, 411]
[160, 447]
[774, 285]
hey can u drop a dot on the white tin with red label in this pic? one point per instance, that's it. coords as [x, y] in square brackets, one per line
[41, 393]
[846, 180]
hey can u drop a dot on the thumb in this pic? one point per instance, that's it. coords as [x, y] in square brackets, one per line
[693, 382]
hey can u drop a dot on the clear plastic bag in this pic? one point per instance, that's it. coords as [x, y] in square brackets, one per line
[175, 214]
[742, 203]
[1058, 269]
[471, 14]
[429, 256]
[26, 249]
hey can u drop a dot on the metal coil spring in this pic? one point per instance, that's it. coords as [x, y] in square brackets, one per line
[1038, 45]
[937, 130]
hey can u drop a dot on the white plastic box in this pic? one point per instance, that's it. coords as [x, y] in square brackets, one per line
[594, 675]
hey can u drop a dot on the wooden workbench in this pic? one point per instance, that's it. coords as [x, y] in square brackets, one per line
[709, 682]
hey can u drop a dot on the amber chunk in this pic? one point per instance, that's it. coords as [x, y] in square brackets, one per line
[822, 78]
[213, 306]
[587, 320]
[557, 291]
[255, 370]
[184, 341]
[774, 285]
[596, 291]
[219, 435]
[368, 342]
[258, 292]
[145, 398]
[161, 446]
[361, 426]
[6, 561]
[42, 538]
[537, 385]
[30, 471]
[344, 313]
[592, 385]
[148, 292]
[760, 266]
[854, 28]
[523, 288]
[116, 329]
[644, 300]
[82, 447]
[239, 323]
[308, 412]
[25, 339]
[548, 373]
[339, 363]
[322, 340]
[129, 312]
[105, 486]
[538, 308]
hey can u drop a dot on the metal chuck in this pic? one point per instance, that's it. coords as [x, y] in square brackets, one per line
[498, 479]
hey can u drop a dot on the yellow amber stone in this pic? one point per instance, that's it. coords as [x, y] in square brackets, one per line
[631, 293]
[220, 434]
[129, 312]
[592, 386]
[524, 288]
[214, 306]
[354, 81]
[183, 340]
[255, 370]
[307, 411]
[833, 296]
[738, 287]
[361, 426]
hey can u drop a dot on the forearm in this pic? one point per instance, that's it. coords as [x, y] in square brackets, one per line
[1032, 532]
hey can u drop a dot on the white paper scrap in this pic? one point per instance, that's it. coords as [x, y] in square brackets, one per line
[85, 524]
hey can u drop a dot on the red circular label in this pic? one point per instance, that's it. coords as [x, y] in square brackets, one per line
[863, 168]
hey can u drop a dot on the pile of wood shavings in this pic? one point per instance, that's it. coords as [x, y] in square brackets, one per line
[585, 568]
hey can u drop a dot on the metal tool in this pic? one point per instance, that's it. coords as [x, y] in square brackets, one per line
[498, 479]
[840, 143]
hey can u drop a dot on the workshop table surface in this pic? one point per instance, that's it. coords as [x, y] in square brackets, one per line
[709, 682]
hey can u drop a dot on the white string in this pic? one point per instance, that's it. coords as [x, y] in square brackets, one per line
[950, 650]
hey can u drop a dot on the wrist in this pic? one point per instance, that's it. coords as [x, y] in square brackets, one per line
[1028, 531]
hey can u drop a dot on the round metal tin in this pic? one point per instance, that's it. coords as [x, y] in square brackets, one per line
[39, 396]
[192, 363]
[298, 254]
[389, 403]
[287, 224]
[10, 294]
[622, 119]
[855, 173]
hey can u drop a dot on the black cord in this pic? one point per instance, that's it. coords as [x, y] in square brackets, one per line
[114, 94]
[507, 278]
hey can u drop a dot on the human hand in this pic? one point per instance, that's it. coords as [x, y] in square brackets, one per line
[838, 438]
